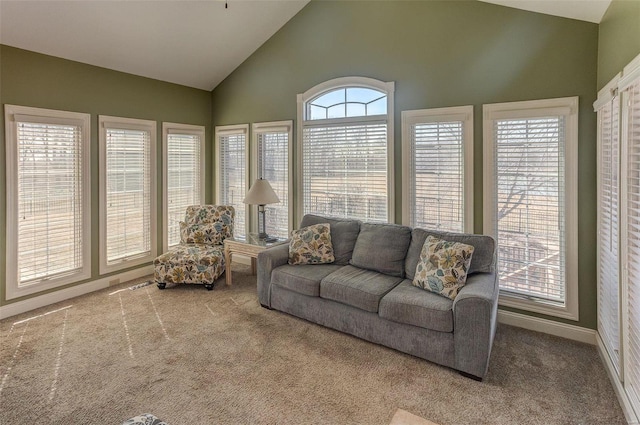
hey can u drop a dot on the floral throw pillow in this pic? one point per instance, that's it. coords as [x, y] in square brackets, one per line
[443, 266]
[311, 245]
[204, 233]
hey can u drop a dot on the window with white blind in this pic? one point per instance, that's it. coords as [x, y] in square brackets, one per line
[272, 141]
[608, 114]
[437, 172]
[630, 223]
[530, 202]
[48, 199]
[183, 178]
[232, 172]
[345, 133]
[127, 192]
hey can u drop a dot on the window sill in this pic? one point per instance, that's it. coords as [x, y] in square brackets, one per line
[13, 290]
[568, 311]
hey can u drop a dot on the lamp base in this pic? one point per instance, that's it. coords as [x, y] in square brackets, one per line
[267, 238]
[262, 234]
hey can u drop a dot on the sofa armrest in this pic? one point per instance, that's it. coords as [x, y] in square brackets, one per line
[474, 314]
[268, 260]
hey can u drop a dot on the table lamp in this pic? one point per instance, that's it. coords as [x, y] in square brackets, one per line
[261, 194]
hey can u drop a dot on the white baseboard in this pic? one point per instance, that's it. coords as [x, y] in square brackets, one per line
[629, 414]
[74, 291]
[551, 327]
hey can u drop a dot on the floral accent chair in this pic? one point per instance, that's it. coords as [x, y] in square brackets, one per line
[199, 257]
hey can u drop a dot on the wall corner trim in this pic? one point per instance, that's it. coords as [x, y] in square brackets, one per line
[576, 333]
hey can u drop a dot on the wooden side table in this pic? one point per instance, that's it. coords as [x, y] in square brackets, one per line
[249, 246]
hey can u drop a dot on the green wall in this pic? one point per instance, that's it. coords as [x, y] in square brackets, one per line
[439, 53]
[619, 38]
[32, 79]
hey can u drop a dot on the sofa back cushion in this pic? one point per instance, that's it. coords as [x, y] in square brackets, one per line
[344, 233]
[382, 248]
[484, 254]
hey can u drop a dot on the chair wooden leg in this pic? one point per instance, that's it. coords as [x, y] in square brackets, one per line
[209, 286]
[161, 285]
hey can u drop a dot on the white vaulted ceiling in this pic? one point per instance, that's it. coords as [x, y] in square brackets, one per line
[193, 43]
[584, 10]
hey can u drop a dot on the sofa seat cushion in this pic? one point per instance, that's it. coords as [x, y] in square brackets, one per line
[304, 280]
[411, 305]
[357, 287]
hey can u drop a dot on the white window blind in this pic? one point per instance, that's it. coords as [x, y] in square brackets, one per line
[184, 177]
[273, 166]
[608, 228]
[437, 175]
[48, 199]
[232, 174]
[346, 149]
[632, 239]
[345, 171]
[531, 203]
[127, 192]
[530, 194]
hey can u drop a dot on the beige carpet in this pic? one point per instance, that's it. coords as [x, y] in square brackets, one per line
[192, 356]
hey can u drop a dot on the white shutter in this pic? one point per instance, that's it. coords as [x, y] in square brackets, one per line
[345, 170]
[608, 228]
[631, 242]
[50, 200]
[183, 179]
[529, 188]
[128, 194]
[273, 166]
[232, 175]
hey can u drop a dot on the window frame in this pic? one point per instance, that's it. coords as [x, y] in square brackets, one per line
[12, 287]
[104, 122]
[432, 115]
[568, 107]
[266, 127]
[187, 129]
[347, 82]
[223, 130]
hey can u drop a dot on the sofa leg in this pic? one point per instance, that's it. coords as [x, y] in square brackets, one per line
[209, 286]
[470, 376]
[265, 306]
[161, 285]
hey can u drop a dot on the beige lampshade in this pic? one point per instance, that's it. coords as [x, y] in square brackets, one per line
[261, 193]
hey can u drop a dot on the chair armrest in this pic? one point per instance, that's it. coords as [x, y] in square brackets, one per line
[268, 260]
[474, 315]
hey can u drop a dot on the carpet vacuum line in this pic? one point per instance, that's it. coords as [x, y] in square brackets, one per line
[157, 315]
[126, 328]
[13, 359]
[56, 370]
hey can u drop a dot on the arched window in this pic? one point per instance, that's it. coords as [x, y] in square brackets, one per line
[345, 137]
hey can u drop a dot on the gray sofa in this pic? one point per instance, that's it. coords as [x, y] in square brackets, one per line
[367, 292]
